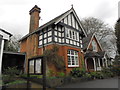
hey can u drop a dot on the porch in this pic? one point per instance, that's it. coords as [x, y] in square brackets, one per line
[94, 61]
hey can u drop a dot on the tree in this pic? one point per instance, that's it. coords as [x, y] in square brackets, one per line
[117, 33]
[13, 44]
[104, 33]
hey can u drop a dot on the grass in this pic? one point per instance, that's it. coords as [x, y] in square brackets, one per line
[16, 82]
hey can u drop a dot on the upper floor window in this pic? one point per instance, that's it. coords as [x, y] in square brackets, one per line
[73, 58]
[94, 45]
[72, 34]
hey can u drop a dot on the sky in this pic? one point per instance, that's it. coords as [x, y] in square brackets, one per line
[14, 14]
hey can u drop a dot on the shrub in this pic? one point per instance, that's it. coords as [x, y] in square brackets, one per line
[88, 76]
[12, 71]
[53, 57]
[107, 72]
[98, 75]
[10, 74]
[51, 73]
[60, 74]
[77, 72]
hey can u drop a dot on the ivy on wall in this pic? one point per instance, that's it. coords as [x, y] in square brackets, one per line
[52, 56]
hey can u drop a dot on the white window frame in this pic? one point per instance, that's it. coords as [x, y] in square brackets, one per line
[74, 34]
[74, 55]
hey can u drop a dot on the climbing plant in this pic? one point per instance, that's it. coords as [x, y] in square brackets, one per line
[52, 56]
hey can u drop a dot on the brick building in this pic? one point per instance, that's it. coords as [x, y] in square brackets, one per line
[65, 31]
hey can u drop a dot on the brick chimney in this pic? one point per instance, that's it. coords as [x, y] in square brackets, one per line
[34, 18]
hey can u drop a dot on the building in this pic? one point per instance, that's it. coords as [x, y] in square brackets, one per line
[4, 35]
[65, 31]
[95, 56]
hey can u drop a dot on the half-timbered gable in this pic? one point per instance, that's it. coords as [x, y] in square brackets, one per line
[64, 29]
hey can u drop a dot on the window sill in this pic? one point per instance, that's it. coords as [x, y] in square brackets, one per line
[72, 66]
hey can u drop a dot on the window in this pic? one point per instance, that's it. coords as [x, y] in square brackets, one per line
[74, 35]
[94, 45]
[72, 58]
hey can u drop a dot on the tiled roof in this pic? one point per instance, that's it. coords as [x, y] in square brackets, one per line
[45, 25]
[54, 21]
[86, 41]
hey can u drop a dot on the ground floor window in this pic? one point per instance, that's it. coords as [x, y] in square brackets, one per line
[73, 58]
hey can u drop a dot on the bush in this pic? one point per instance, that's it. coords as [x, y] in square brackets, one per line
[12, 71]
[60, 74]
[77, 72]
[107, 72]
[98, 75]
[115, 70]
[51, 73]
[10, 74]
[88, 76]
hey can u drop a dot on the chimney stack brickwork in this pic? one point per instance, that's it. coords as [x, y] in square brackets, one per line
[34, 18]
[30, 44]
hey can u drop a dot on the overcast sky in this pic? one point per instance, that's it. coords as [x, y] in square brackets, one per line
[14, 14]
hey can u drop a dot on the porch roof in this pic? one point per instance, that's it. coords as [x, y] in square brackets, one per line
[91, 53]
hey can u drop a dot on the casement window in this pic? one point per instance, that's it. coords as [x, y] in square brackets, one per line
[94, 45]
[73, 58]
[71, 34]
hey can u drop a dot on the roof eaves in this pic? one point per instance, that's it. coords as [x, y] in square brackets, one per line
[6, 32]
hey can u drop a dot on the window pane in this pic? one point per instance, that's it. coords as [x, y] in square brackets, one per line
[70, 33]
[31, 66]
[73, 61]
[73, 35]
[67, 41]
[69, 61]
[67, 32]
[38, 66]
[72, 52]
[76, 60]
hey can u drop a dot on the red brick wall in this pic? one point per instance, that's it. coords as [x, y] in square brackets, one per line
[98, 47]
[30, 46]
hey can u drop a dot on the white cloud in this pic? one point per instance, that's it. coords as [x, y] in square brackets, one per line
[14, 15]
